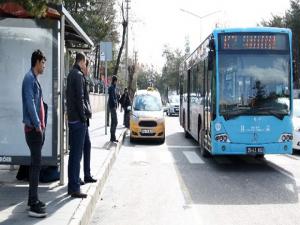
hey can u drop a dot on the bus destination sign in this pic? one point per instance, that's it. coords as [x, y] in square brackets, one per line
[254, 41]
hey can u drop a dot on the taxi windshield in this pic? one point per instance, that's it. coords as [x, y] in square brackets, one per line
[147, 102]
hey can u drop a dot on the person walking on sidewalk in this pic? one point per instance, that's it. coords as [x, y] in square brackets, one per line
[87, 142]
[113, 104]
[77, 120]
[125, 103]
[34, 119]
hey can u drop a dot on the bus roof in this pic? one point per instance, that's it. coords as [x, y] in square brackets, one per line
[252, 29]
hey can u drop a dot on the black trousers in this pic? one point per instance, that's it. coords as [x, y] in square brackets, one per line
[126, 120]
[114, 123]
[35, 142]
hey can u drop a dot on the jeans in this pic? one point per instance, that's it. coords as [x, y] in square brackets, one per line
[126, 120]
[87, 155]
[35, 142]
[77, 133]
[114, 123]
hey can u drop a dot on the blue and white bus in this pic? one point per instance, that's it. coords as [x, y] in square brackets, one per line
[236, 92]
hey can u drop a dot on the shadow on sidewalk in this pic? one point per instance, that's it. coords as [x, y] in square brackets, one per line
[13, 206]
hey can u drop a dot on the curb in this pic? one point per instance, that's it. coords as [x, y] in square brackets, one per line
[84, 212]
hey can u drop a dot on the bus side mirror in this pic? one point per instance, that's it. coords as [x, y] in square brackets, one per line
[211, 55]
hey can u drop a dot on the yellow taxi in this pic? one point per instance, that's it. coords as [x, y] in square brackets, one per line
[147, 119]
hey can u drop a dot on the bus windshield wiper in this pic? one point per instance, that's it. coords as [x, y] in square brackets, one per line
[272, 113]
[235, 113]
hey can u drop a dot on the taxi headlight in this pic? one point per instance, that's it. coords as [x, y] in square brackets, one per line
[160, 120]
[134, 118]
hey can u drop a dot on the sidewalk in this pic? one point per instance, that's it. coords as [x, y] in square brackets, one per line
[61, 208]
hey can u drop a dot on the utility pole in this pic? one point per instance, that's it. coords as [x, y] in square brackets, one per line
[126, 53]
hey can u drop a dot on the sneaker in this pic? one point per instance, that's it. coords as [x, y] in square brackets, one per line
[36, 211]
[90, 180]
[78, 195]
[81, 182]
[40, 203]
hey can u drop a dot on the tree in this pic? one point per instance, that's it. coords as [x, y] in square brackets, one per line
[170, 71]
[124, 26]
[96, 18]
[290, 20]
[36, 8]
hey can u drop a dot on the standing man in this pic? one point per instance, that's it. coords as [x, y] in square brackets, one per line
[34, 117]
[125, 102]
[87, 142]
[113, 104]
[77, 119]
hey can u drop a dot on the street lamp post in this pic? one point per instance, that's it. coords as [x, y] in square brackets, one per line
[199, 17]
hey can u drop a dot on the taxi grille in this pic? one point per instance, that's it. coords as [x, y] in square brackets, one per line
[147, 135]
[147, 123]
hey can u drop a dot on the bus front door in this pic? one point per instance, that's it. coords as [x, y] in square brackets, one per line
[189, 100]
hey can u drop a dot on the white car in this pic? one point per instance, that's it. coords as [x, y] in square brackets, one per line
[296, 124]
[173, 105]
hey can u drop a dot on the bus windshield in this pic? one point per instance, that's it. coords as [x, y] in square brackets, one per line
[254, 83]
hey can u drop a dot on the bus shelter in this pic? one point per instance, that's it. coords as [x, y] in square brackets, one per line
[55, 34]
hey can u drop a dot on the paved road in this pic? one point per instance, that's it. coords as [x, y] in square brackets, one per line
[154, 184]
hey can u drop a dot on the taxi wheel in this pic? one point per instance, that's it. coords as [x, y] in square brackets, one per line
[161, 141]
[131, 139]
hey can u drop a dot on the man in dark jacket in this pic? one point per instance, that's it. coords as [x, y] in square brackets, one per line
[78, 114]
[125, 102]
[113, 104]
[87, 142]
[34, 119]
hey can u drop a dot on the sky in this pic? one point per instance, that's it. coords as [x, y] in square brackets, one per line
[156, 23]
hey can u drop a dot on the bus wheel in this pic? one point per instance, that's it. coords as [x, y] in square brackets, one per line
[187, 134]
[203, 152]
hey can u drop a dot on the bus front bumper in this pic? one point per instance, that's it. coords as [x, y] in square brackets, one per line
[220, 148]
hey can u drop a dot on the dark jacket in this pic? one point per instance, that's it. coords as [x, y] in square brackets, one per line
[88, 108]
[77, 107]
[112, 97]
[125, 101]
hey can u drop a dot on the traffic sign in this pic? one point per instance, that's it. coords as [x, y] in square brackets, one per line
[106, 51]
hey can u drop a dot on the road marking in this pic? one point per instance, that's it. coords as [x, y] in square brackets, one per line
[183, 147]
[192, 157]
[292, 157]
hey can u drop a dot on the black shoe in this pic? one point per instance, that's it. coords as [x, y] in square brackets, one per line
[40, 203]
[90, 180]
[37, 211]
[81, 182]
[78, 195]
[114, 140]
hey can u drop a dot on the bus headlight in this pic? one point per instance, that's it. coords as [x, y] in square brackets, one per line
[286, 137]
[222, 138]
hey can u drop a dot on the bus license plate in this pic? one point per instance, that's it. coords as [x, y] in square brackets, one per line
[146, 131]
[255, 150]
